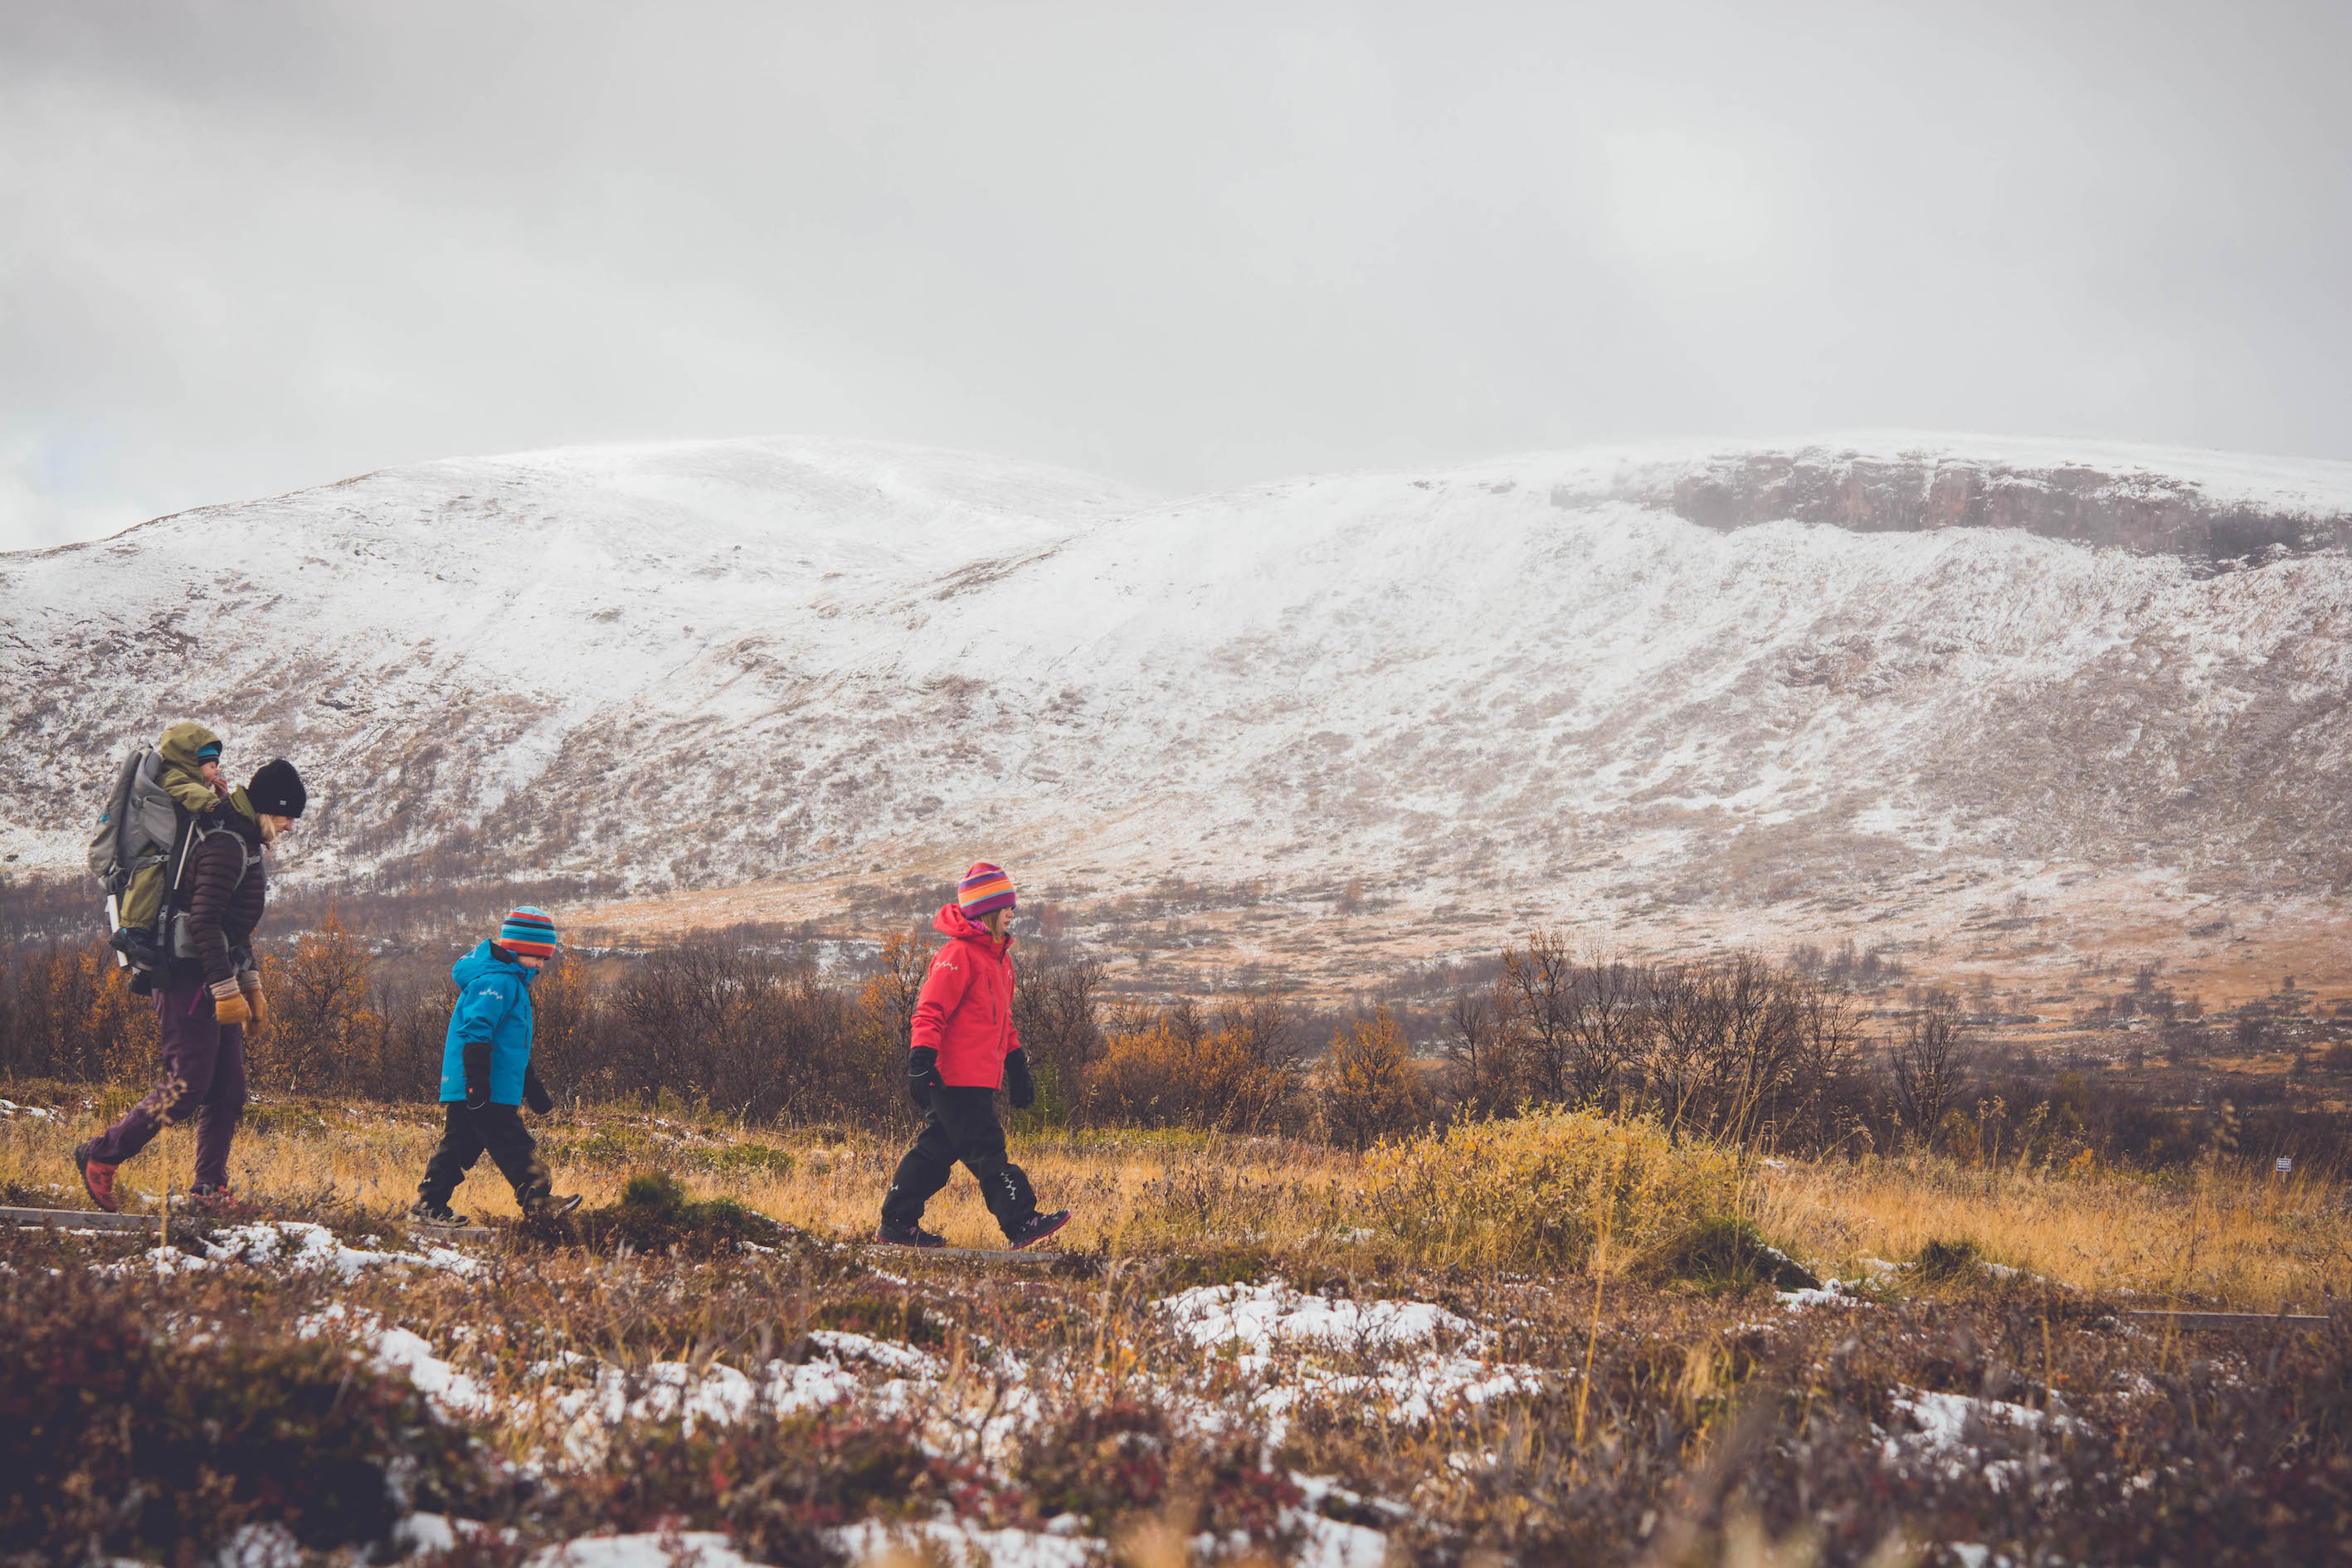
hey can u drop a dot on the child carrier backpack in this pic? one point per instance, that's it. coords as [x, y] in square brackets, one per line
[177, 940]
[141, 847]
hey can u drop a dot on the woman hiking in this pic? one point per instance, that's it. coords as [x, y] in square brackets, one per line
[963, 1046]
[210, 992]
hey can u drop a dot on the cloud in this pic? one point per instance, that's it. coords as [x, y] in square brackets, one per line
[1701, 206]
[247, 249]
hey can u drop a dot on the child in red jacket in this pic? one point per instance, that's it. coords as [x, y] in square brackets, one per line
[964, 1046]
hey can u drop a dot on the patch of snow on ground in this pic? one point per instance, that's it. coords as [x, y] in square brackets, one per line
[1949, 1428]
[417, 1534]
[1943, 1418]
[1424, 1358]
[1327, 1544]
[842, 1348]
[1260, 1317]
[687, 1549]
[264, 1545]
[668, 1391]
[1975, 1555]
[967, 1545]
[1320, 1492]
[1331, 1543]
[300, 1247]
[449, 1391]
[1830, 1293]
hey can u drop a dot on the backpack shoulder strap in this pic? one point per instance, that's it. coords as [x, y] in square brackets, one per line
[249, 854]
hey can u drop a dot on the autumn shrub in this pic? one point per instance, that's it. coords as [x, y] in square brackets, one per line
[1370, 1089]
[1940, 1261]
[891, 1314]
[774, 1483]
[1103, 1463]
[760, 1036]
[1164, 1074]
[745, 1158]
[1057, 1009]
[120, 1437]
[657, 1215]
[320, 1022]
[66, 1012]
[1107, 1463]
[1545, 1189]
[1725, 1255]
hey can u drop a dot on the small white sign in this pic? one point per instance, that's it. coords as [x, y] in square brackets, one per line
[2286, 1164]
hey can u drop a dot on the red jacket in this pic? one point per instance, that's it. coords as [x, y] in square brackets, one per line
[965, 1009]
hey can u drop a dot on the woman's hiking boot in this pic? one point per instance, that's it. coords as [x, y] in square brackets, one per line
[551, 1206]
[1037, 1227]
[97, 1179]
[907, 1235]
[217, 1202]
[439, 1216]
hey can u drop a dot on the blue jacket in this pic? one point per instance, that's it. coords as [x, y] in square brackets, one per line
[493, 1005]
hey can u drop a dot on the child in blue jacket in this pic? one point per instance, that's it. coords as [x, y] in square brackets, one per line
[487, 1076]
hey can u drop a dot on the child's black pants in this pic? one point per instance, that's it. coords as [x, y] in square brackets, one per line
[466, 1135]
[962, 1126]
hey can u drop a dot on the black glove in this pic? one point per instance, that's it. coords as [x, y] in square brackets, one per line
[1018, 1083]
[476, 1055]
[534, 1093]
[923, 1074]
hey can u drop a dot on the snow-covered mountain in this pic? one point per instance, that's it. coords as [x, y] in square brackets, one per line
[1737, 674]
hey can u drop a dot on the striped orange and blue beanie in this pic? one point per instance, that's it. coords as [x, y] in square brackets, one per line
[530, 931]
[984, 888]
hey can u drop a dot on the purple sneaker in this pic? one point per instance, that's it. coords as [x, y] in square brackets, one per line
[1037, 1227]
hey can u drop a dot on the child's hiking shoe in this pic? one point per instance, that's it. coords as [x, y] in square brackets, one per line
[1037, 1227]
[97, 1179]
[907, 1235]
[552, 1207]
[440, 1216]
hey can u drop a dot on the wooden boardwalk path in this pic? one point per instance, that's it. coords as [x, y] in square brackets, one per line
[92, 1219]
[2227, 1320]
[185, 1224]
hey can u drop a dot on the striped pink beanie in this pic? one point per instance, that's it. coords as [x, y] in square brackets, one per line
[984, 888]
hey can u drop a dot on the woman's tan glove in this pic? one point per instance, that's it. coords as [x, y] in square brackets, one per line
[249, 983]
[229, 1003]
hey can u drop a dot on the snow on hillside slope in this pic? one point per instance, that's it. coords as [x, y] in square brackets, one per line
[710, 662]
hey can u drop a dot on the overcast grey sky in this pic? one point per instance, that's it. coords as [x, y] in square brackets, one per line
[249, 246]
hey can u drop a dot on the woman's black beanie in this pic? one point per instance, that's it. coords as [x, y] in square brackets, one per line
[276, 790]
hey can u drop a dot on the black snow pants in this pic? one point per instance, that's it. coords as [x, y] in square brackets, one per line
[963, 1127]
[466, 1135]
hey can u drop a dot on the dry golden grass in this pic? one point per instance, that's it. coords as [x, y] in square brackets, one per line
[2216, 1237]
[1129, 1189]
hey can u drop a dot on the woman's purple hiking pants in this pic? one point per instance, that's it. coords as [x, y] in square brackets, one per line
[203, 1074]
